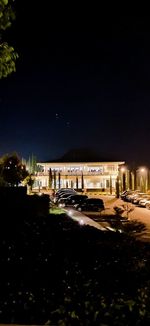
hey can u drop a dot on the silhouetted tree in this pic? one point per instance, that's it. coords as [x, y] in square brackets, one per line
[110, 185]
[76, 182]
[117, 187]
[50, 178]
[54, 180]
[12, 171]
[82, 180]
[29, 181]
[59, 180]
[66, 181]
[31, 164]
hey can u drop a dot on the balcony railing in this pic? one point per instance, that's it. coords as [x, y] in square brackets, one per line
[73, 173]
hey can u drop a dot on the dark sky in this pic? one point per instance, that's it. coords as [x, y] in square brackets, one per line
[78, 83]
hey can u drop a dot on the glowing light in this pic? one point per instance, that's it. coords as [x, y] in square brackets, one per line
[111, 229]
[123, 169]
[70, 212]
[81, 222]
[61, 205]
[142, 170]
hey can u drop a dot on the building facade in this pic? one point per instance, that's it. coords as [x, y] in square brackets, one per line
[85, 176]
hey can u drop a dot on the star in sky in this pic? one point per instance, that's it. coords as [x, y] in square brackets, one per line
[68, 124]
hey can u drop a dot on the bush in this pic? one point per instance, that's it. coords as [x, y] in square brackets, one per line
[55, 271]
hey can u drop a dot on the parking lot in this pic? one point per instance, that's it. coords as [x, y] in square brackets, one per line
[107, 217]
[138, 213]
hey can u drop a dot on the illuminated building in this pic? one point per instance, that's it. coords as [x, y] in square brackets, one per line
[98, 176]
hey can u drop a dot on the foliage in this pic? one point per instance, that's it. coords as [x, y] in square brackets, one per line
[78, 275]
[6, 14]
[12, 171]
[50, 178]
[133, 226]
[54, 178]
[118, 210]
[2, 181]
[117, 187]
[31, 164]
[8, 55]
[29, 180]
[129, 226]
[82, 181]
[124, 208]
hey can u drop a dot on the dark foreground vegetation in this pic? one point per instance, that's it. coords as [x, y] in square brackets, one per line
[55, 271]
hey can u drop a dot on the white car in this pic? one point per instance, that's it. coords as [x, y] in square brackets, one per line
[144, 201]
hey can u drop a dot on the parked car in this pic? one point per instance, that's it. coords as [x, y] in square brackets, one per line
[70, 192]
[64, 196]
[91, 204]
[144, 201]
[132, 196]
[125, 193]
[128, 195]
[72, 200]
[63, 193]
[148, 204]
[137, 198]
[59, 191]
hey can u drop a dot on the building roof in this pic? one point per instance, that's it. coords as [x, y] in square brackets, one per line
[82, 155]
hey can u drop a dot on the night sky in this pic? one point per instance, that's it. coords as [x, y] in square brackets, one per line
[78, 83]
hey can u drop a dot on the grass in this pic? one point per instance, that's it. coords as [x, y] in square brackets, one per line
[56, 211]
